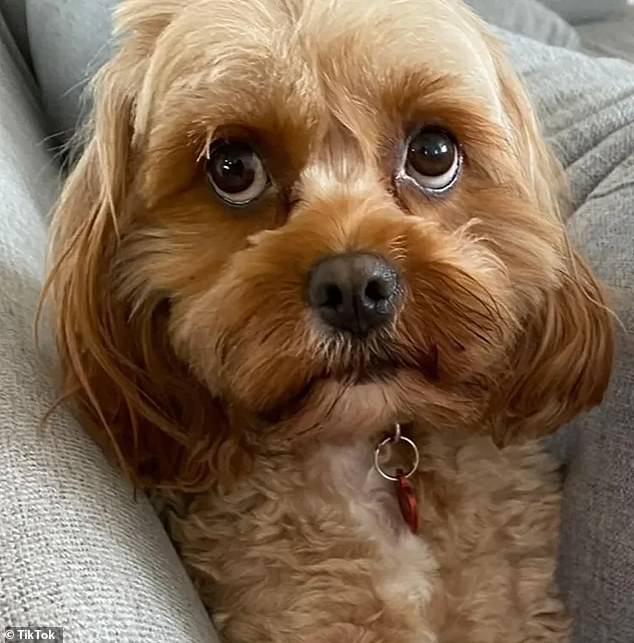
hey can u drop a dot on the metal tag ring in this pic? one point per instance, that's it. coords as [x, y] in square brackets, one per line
[394, 439]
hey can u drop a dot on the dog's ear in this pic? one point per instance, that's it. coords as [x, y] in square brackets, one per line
[562, 359]
[138, 401]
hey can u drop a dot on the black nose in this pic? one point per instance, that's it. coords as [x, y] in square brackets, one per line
[353, 292]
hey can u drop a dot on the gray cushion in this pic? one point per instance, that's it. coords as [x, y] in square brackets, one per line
[613, 37]
[578, 11]
[76, 550]
[529, 18]
[69, 40]
[587, 106]
[14, 14]
[15, 53]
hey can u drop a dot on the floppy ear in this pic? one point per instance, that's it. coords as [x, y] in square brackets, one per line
[562, 360]
[138, 401]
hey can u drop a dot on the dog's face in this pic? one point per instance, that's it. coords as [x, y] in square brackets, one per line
[320, 216]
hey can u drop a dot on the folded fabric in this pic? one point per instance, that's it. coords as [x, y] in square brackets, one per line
[78, 550]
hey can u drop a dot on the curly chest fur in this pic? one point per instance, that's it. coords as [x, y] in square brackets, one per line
[316, 550]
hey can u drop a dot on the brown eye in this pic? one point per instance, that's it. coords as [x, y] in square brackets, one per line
[236, 172]
[433, 159]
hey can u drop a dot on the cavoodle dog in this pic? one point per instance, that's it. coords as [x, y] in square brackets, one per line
[312, 284]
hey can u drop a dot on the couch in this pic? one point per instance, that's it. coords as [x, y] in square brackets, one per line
[78, 548]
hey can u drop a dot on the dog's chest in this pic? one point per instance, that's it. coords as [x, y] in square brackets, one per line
[321, 540]
[404, 568]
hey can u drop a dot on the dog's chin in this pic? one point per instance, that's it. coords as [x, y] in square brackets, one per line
[352, 384]
[385, 370]
[355, 380]
[338, 408]
[362, 405]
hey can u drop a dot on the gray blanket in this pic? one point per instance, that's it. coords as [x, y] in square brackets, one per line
[587, 108]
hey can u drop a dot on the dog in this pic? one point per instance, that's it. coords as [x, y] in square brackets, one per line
[312, 286]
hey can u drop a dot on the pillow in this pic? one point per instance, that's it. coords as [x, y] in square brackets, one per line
[69, 40]
[529, 18]
[578, 11]
[610, 38]
[14, 14]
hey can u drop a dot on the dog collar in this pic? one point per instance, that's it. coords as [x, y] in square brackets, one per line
[405, 493]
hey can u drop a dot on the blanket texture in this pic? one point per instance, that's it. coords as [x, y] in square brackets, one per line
[77, 550]
[587, 108]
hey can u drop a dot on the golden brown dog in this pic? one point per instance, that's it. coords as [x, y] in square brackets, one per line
[294, 224]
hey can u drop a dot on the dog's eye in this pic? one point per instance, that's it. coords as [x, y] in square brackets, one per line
[433, 159]
[236, 172]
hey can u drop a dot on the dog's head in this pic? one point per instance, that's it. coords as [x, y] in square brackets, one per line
[315, 218]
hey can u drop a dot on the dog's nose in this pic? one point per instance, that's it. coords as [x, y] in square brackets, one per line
[354, 292]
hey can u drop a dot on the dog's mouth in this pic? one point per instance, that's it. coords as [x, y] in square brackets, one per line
[377, 372]
[361, 369]
[357, 370]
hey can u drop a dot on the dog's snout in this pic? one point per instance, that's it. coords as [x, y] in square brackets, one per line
[354, 292]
